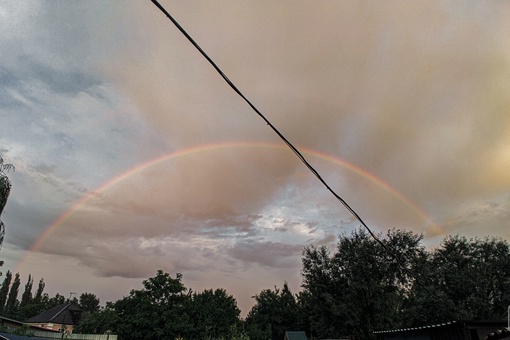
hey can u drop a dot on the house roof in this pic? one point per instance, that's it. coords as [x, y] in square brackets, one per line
[503, 333]
[446, 324]
[295, 336]
[64, 314]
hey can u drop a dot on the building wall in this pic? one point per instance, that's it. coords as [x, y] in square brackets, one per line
[54, 326]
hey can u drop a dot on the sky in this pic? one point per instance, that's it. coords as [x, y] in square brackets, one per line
[133, 155]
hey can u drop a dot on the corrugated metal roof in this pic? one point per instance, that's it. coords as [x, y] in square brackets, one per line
[499, 334]
[295, 336]
[444, 324]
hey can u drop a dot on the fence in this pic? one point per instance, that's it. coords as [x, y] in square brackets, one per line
[35, 335]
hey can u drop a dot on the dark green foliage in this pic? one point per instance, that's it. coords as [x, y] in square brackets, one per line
[28, 306]
[36, 304]
[24, 331]
[155, 312]
[4, 290]
[355, 289]
[5, 188]
[54, 301]
[469, 279]
[99, 322]
[274, 313]
[11, 306]
[213, 314]
[89, 303]
[40, 290]
[26, 298]
[166, 309]
[360, 288]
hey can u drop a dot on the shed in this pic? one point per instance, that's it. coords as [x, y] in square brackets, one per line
[295, 336]
[455, 330]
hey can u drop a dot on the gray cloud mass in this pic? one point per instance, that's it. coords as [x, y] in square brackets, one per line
[402, 107]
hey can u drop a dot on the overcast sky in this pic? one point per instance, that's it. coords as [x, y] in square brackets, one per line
[127, 142]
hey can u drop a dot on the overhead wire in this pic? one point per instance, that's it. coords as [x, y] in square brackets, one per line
[285, 140]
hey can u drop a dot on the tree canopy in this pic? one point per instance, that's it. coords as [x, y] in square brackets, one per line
[354, 289]
[361, 287]
[274, 313]
[5, 189]
[166, 309]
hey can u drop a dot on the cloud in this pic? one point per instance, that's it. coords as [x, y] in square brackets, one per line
[475, 217]
[60, 81]
[271, 254]
[402, 96]
[399, 90]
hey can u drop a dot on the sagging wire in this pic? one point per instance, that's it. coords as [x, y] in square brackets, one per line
[287, 142]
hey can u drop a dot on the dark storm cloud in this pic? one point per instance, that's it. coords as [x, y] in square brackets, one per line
[61, 81]
[25, 221]
[10, 82]
[28, 74]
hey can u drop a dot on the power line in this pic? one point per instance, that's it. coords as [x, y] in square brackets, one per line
[284, 139]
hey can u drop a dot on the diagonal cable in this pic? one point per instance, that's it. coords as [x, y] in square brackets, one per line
[286, 141]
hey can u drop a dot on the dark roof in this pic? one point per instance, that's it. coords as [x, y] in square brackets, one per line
[499, 334]
[446, 324]
[295, 336]
[64, 314]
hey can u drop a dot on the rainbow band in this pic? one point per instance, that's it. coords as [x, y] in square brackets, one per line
[209, 147]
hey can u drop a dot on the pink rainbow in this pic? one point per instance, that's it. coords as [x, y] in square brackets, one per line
[204, 148]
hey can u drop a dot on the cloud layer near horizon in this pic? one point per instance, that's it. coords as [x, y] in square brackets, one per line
[415, 94]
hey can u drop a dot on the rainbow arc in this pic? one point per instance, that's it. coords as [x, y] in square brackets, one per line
[60, 221]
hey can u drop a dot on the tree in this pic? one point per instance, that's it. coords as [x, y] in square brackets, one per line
[12, 300]
[274, 313]
[158, 311]
[396, 282]
[5, 189]
[213, 314]
[362, 284]
[40, 290]
[26, 297]
[4, 290]
[89, 303]
[470, 279]
[36, 304]
[99, 322]
[26, 306]
[54, 301]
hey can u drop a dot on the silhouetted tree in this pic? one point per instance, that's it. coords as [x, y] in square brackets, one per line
[5, 189]
[4, 290]
[12, 300]
[213, 314]
[274, 313]
[26, 297]
[468, 279]
[54, 301]
[29, 306]
[40, 290]
[106, 319]
[361, 287]
[89, 303]
[146, 313]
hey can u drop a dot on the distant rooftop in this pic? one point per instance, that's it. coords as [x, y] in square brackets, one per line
[295, 336]
[64, 314]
